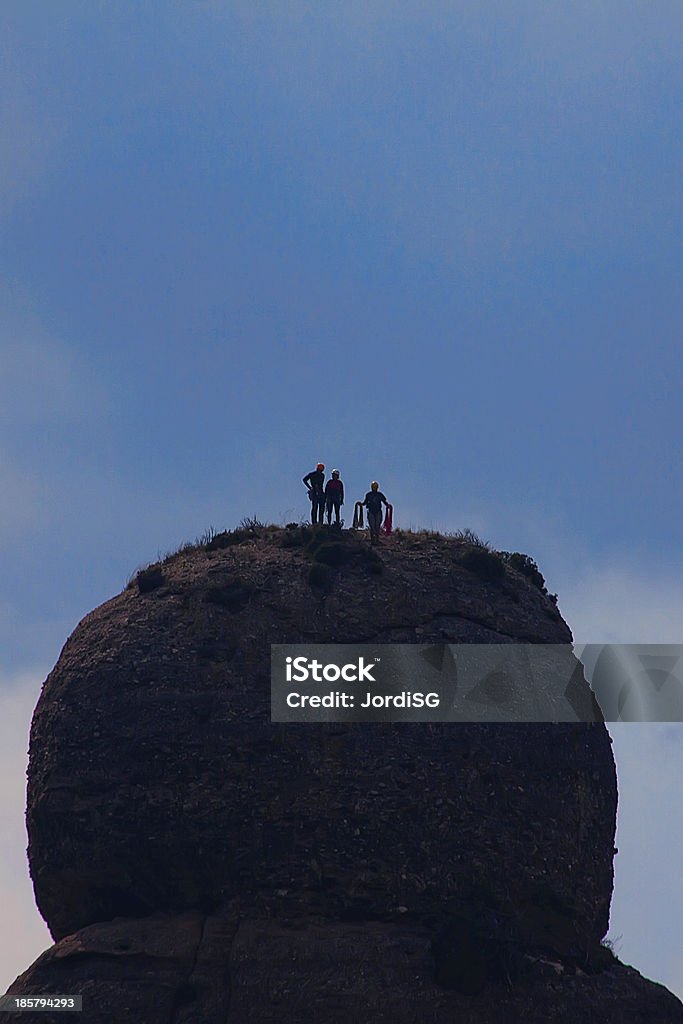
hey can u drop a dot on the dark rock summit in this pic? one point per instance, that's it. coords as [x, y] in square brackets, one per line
[197, 863]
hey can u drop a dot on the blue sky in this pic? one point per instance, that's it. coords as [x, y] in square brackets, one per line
[433, 244]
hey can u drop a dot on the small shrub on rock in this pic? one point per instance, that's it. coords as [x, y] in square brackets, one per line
[295, 536]
[526, 565]
[485, 564]
[227, 538]
[470, 537]
[149, 579]
[251, 523]
[316, 536]
[601, 957]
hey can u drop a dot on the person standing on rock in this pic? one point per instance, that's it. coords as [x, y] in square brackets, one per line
[373, 502]
[334, 497]
[314, 481]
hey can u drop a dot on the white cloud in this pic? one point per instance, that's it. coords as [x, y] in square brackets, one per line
[648, 897]
[23, 934]
[24, 636]
[626, 605]
[622, 601]
[676, 975]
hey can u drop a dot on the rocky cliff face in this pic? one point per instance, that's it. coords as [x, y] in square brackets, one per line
[196, 862]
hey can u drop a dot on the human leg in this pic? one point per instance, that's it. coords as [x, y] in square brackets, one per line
[374, 522]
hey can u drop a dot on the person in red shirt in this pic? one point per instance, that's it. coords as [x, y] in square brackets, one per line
[334, 497]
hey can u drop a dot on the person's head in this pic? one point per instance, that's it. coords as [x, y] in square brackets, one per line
[321, 465]
[374, 485]
[335, 474]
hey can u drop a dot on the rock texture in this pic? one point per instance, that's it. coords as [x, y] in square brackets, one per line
[235, 968]
[195, 862]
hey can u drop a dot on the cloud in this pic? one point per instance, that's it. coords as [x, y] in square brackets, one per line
[47, 396]
[628, 605]
[23, 935]
[648, 900]
[27, 633]
[676, 976]
[44, 382]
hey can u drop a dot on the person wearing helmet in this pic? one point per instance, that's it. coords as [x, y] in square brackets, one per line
[373, 502]
[334, 497]
[314, 481]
